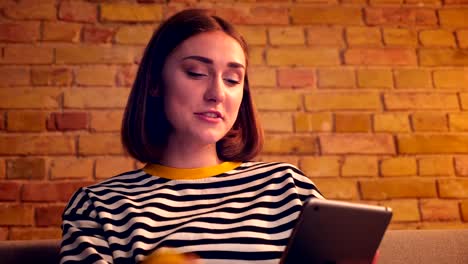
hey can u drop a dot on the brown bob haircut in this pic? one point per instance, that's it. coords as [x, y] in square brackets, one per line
[145, 128]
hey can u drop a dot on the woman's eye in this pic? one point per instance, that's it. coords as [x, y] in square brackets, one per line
[231, 81]
[195, 74]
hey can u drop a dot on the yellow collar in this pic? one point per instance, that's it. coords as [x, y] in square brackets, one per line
[189, 174]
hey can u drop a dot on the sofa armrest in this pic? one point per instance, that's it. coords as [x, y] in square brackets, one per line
[424, 246]
[30, 251]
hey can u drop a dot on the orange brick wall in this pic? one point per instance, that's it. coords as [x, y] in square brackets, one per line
[369, 98]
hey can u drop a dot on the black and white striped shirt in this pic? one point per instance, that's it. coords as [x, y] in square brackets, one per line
[229, 213]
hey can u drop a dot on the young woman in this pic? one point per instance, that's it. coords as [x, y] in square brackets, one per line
[190, 118]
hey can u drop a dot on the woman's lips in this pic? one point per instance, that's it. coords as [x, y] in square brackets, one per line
[211, 113]
[209, 117]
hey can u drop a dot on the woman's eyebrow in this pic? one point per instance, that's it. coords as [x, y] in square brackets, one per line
[210, 61]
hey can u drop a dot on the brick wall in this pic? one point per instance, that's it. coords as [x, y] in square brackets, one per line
[369, 98]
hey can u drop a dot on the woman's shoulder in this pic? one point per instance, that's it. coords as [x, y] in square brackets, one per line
[274, 165]
[123, 183]
[271, 169]
[277, 168]
[127, 178]
[285, 170]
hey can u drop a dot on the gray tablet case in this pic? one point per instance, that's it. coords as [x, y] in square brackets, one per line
[336, 232]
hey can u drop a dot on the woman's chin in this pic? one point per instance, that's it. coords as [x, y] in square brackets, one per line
[211, 138]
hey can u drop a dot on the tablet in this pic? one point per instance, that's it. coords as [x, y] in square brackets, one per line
[336, 232]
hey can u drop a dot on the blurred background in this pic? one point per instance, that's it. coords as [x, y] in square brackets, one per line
[368, 97]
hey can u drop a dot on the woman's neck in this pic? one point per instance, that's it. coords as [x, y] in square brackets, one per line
[183, 155]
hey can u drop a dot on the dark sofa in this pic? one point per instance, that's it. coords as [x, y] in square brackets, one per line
[397, 247]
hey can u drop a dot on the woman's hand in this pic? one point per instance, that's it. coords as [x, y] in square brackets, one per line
[170, 256]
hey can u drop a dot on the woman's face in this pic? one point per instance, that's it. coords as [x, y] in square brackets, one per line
[203, 86]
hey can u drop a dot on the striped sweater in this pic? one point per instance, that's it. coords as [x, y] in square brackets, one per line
[229, 213]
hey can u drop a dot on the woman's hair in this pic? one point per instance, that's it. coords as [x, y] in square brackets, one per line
[145, 128]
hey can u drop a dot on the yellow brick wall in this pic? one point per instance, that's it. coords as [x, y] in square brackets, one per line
[368, 98]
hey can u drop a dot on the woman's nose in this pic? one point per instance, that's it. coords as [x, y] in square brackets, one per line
[215, 90]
